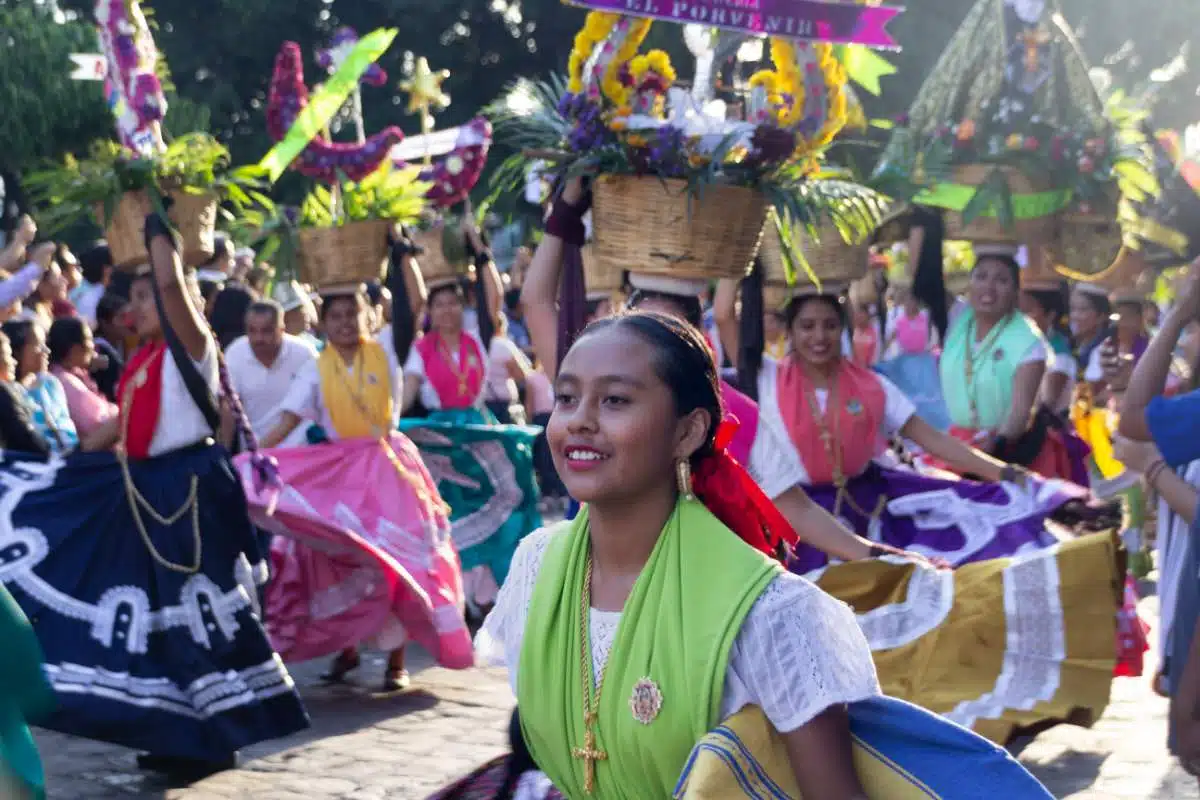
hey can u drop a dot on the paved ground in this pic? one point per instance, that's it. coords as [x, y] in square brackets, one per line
[367, 747]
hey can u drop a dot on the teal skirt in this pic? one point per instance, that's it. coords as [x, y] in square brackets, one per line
[484, 471]
[24, 694]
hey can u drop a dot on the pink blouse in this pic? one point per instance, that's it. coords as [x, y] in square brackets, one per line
[89, 408]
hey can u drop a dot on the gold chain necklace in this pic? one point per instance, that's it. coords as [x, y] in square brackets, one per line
[590, 753]
[456, 368]
[832, 440]
[136, 499]
[972, 353]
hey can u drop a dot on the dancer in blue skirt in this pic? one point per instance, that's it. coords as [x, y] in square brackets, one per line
[138, 571]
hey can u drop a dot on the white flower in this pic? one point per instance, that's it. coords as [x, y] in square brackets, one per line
[1028, 11]
[707, 126]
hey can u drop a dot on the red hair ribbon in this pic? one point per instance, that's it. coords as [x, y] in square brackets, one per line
[728, 491]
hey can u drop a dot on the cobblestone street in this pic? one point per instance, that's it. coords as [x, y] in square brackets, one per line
[367, 747]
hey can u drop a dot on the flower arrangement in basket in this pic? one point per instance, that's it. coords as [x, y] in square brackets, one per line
[681, 186]
[119, 182]
[339, 235]
[1008, 131]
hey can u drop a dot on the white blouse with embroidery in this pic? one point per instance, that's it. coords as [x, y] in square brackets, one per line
[799, 652]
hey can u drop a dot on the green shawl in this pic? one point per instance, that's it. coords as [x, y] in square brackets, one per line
[677, 629]
[994, 371]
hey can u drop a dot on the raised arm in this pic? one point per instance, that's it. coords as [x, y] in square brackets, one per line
[1145, 458]
[1149, 377]
[25, 281]
[183, 317]
[487, 270]
[23, 236]
[725, 315]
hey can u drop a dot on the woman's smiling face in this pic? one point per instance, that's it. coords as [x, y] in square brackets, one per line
[817, 331]
[613, 431]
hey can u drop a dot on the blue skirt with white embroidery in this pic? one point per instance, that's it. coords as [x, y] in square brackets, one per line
[151, 632]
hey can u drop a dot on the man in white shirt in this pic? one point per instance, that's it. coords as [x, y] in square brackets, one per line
[263, 364]
[96, 265]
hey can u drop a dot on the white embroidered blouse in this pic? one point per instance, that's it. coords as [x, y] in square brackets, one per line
[799, 652]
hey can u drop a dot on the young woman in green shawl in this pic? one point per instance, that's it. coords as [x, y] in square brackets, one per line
[659, 611]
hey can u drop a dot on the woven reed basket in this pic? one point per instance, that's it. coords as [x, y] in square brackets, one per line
[345, 255]
[830, 256]
[988, 228]
[194, 216]
[653, 226]
[1088, 244]
[600, 276]
[435, 267]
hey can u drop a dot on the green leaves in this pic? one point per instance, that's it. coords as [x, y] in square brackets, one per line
[854, 211]
[196, 163]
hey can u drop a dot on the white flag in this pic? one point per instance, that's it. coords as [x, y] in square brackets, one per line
[89, 67]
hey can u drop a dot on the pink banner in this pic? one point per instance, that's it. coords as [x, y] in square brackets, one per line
[841, 23]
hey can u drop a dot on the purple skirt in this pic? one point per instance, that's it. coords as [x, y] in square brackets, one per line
[958, 520]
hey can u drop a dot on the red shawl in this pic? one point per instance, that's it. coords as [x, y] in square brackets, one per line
[855, 422]
[140, 396]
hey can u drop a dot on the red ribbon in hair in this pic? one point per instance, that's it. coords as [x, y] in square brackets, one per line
[728, 491]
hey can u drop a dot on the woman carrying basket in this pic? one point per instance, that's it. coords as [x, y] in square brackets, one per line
[138, 571]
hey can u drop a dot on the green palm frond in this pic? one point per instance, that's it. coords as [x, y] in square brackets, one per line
[526, 114]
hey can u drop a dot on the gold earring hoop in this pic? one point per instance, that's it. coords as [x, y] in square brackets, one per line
[683, 478]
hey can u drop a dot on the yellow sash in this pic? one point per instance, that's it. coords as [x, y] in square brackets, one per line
[359, 404]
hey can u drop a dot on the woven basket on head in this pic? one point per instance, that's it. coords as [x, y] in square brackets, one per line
[194, 216]
[656, 227]
[1040, 272]
[599, 276]
[988, 228]
[776, 296]
[1088, 245]
[436, 268]
[830, 257]
[345, 255]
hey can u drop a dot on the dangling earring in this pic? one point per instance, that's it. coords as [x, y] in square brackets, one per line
[683, 478]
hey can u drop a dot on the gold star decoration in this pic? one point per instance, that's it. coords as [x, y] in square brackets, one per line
[424, 89]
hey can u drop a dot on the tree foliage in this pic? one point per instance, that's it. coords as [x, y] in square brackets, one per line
[45, 113]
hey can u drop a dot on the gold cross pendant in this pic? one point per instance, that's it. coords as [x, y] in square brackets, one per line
[590, 756]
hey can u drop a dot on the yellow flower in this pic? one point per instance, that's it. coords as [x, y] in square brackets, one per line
[634, 35]
[698, 160]
[636, 140]
[737, 155]
[595, 30]
[617, 125]
[639, 65]
[1015, 141]
[660, 62]
[599, 24]
[766, 79]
